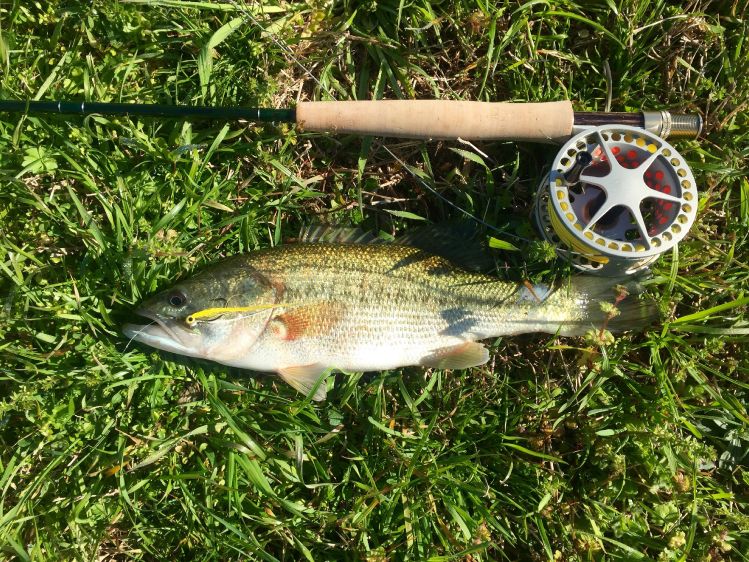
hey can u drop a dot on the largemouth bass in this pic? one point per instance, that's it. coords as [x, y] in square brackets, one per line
[300, 310]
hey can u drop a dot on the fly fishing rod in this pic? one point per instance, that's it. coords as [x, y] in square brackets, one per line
[617, 196]
[423, 119]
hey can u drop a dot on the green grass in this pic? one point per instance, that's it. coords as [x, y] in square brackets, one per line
[557, 449]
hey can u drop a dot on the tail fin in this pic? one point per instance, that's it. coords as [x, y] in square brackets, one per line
[607, 303]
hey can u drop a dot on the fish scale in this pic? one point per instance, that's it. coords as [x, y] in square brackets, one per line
[393, 291]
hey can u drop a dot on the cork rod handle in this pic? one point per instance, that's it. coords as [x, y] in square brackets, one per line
[440, 119]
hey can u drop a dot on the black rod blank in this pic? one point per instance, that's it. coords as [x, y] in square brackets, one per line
[149, 110]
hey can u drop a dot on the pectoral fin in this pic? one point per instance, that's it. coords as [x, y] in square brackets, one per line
[305, 377]
[461, 356]
[309, 320]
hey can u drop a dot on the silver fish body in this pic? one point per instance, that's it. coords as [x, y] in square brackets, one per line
[302, 309]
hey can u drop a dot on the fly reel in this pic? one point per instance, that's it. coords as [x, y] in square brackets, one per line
[615, 199]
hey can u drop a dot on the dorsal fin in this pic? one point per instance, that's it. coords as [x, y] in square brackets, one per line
[337, 235]
[459, 242]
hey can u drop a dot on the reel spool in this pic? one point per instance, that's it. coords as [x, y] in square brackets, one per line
[615, 199]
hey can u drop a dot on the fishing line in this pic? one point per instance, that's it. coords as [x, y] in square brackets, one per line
[450, 203]
[137, 333]
[598, 217]
[618, 195]
[246, 13]
[309, 73]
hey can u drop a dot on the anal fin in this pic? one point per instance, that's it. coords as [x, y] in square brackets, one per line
[462, 356]
[305, 377]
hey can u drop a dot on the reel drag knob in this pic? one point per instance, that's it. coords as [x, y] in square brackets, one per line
[615, 199]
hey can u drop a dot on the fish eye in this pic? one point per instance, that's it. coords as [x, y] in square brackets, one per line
[177, 298]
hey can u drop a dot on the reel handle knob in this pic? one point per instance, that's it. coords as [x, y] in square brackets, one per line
[582, 161]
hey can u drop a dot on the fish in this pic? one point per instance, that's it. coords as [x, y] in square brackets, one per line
[302, 310]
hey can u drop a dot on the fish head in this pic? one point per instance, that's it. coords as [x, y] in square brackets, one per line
[216, 315]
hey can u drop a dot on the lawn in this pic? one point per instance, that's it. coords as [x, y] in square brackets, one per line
[557, 449]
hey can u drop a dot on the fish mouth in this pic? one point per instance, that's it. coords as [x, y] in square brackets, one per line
[164, 334]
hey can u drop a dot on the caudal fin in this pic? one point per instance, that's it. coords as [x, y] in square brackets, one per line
[615, 304]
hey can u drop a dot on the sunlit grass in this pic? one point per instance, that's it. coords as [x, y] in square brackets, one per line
[557, 449]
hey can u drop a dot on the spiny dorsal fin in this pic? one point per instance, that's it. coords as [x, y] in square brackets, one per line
[337, 235]
[462, 356]
[458, 242]
[303, 378]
